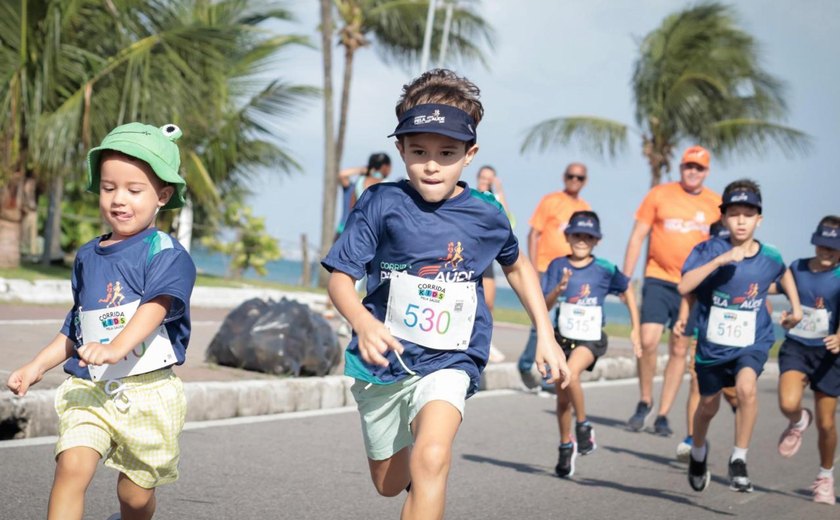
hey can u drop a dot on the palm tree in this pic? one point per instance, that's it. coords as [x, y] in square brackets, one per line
[73, 70]
[697, 79]
[394, 28]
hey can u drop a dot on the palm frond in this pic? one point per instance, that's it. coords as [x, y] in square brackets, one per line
[755, 136]
[602, 136]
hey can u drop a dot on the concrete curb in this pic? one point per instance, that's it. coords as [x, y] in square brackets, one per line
[34, 414]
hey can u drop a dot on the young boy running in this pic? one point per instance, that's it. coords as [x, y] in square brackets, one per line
[121, 405]
[730, 279]
[581, 282]
[810, 354]
[424, 244]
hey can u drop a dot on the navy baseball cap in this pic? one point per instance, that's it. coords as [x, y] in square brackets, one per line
[434, 118]
[827, 237]
[584, 224]
[745, 197]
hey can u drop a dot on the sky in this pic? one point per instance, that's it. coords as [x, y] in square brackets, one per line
[575, 57]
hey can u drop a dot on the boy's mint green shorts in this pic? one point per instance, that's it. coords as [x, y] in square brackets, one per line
[388, 410]
[133, 423]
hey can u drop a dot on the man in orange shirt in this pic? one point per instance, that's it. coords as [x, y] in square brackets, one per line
[676, 216]
[547, 241]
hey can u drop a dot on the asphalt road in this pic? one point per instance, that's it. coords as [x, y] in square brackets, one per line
[312, 465]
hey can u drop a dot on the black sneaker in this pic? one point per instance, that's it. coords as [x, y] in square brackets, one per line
[738, 478]
[698, 472]
[637, 422]
[660, 426]
[566, 461]
[585, 436]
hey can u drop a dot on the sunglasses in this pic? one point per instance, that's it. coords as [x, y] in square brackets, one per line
[571, 176]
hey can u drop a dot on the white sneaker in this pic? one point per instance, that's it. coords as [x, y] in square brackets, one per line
[496, 355]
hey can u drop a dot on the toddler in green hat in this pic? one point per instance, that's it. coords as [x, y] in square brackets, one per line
[129, 324]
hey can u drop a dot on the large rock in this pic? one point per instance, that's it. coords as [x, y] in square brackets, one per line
[276, 337]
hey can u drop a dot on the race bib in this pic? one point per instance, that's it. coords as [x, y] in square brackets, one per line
[814, 324]
[436, 315]
[103, 325]
[580, 322]
[731, 327]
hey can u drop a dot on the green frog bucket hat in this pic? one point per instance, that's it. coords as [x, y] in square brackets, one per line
[155, 146]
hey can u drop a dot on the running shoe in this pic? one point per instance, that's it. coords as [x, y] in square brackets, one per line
[823, 489]
[684, 449]
[585, 436]
[530, 378]
[739, 480]
[637, 421]
[660, 427]
[565, 467]
[791, 438]
[496, 355]
[698, 471]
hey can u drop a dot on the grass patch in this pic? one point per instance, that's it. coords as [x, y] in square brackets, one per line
[32, 272]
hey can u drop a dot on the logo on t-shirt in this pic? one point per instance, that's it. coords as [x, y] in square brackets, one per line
[113, 294]
[750, 299]
[819, 303]
[583, 296]
[448, 271]
[678, 225]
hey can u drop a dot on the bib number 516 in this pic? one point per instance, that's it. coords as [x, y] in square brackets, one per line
[439, 322]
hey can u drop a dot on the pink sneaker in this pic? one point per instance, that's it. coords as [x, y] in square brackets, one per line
[823, 489]
[791, 438]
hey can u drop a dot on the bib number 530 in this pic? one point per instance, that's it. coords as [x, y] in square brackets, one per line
[429, 321]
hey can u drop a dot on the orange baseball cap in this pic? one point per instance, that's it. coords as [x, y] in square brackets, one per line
[696, 154]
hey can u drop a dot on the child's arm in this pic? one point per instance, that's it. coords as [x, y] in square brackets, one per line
[695, 277]
[374, 338]
[832, 342]
[686, 302]
[148, 317]
[560, 288]
[523, 280]
[55, 353]
[788, 285]
[629, 299]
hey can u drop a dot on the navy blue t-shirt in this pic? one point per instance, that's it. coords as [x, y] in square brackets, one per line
[742, 286]
[142, 267]
[588, 285]
[818, 291]
[392, 228]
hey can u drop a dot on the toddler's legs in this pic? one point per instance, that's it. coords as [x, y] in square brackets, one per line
[390, 476]
[74, 470]
[434, 430]
[747, 411]
[136, 503]
[826, 407]
[693, 391]
[572, 395]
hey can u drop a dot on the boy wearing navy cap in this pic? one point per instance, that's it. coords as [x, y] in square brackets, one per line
[129, 323]
[423, 244]
[580, 283]
[730, 279]
[810, 355]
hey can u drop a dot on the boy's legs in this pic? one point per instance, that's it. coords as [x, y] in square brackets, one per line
[674, 371]
[434, 430]
[706, 410]
[791, 387]
[74, 470]
[579, 359]
[136, 503]
[391, 476]
[747, 411]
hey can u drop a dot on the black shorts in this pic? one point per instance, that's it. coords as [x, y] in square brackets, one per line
[820, 366]
[598, 348]
[713, 378]
[660, 302]
[490, 271]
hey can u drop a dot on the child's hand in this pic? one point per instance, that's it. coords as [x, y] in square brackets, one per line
[375, 340]
[22, 378]
[832, 343]
[678, 329]
[733, 256]
[98, 354]
[564, 282]
[636, 340]
[549, 353]
[789, 320]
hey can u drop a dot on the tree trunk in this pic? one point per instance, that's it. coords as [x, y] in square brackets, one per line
[11, 215]
[349, 53]
[52, 227]
[330, 163]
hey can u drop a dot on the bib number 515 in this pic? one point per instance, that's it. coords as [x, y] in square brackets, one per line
[439, 322]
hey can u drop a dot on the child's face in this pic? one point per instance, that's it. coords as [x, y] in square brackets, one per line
[434, 163]
[485, 180]
[582, 244]
[130, 195]
[827, 257]
[741, 221]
